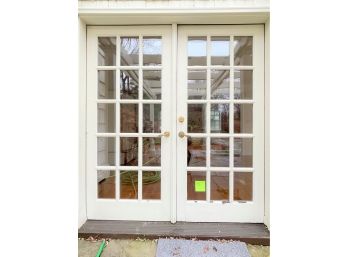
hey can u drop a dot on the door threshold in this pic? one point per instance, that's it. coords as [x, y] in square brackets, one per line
[251, 233]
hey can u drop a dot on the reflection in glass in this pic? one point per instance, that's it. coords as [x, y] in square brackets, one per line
[219, 186]
[106, 118]
[220, 50]
[196, 118]
[243, 152]
[152, 84]
[106, 84]
[129, 118]
[197, 51]
[128, 184]
[106, 51]
[129, 84]
[220, 84]
[106, 184]
[219, 153]
[129, 51]
[243, 50]
[152, 50]
[243, 84]
[243, 186]
[129, 151]
[243, 118]
[197, 84]
[106, 151]
[219, 118]
[151, 151]
[196, 152]
[152, 118]
[196, 185]
[152, 185]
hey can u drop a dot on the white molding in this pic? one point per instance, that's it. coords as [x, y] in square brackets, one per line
[112, 16]
[82, 214]
[267, 124]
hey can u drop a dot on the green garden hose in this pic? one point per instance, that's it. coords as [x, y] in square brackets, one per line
[101, 248]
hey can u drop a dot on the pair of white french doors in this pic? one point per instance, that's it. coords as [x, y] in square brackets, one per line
[162, 143]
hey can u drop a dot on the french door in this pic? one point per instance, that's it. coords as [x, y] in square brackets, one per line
[164, 151]
[129, 127]
[221, 132]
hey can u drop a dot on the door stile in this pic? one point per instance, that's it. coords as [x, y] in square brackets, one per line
[174, 113]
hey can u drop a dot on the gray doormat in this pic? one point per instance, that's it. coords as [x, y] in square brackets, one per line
[192, 248]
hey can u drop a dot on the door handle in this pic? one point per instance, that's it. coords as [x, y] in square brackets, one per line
[165, 134]
[182, 134]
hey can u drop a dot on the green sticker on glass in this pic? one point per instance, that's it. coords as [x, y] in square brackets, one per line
[199, 185]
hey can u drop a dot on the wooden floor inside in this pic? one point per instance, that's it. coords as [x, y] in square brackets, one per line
[246, 232]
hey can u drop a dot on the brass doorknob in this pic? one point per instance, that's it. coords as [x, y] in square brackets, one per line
[165, 134]
[182, 134]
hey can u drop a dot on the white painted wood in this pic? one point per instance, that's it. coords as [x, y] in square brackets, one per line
[203, 211]
[82, 124]
[118, 209]
[173, 206]
[173, 125]
[267, 124]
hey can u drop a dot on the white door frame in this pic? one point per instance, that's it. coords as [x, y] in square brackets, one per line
[176, 207]
[107, 209]
[234, 211]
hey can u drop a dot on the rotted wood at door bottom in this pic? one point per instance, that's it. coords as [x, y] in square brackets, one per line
[245, 232]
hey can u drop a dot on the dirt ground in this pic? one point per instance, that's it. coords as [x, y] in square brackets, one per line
[141, 248]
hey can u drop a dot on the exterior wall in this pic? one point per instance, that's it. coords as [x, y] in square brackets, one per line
[161, 4]
[82, 124]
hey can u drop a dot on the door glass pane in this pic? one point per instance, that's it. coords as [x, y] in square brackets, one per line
[243, 118]
[220, 50]
[197, 84]
[106, 84]
[219, 118]
[219, 186]
[151, 151]
[106, 184]
[243, 186]
[243, 84]
[129, 151]
[106, 118]
[106, 51]
[220, 84]
[196, 152]
[129, 84]
[152, 185]
[106, 151]
[197, 51]
[243, 152]
[129, 51]
[219, 152]
[129, 184]
[196, 118]
[152, 84]
[129, 118]
[152, 48]
[243, 50]
[196, 185]
[151, 118]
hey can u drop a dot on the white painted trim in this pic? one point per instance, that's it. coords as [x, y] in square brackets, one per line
[173, 127]
[88, 17]
[267, 124]
[119, 16]
[82, 215]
